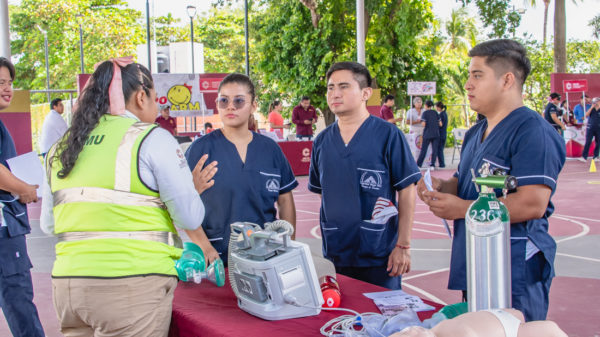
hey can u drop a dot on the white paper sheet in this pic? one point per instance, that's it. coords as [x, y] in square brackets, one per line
[429, 185]
[28, 168]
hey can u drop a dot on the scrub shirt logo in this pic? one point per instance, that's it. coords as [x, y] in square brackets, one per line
[272, 185]
[370, 179]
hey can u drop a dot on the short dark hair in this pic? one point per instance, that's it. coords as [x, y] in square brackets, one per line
[360, 72]
[305, 98]
[504, 55]
[554, 95]
[388, 98]
[239, 79]
[429, 103]
[208, 125]
[55, 102]
[440, 105]
[4, 62]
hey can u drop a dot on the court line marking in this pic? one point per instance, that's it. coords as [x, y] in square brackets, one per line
[432, 232]
[425, 274]
[579, 257]
[577, 217]
[309, 212]
[428, 224]
[307, 220]
[424, 293]
[314, 233]
[432, 249]
[584, 232]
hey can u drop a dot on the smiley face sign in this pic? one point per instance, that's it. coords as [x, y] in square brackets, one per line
[179, 94]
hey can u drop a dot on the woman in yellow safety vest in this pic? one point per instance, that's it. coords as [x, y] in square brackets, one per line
[116, 186]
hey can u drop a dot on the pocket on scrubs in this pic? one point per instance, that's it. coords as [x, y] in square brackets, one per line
[497, 163]
[374, 182]
[331, 239]
[373, 240]
[518, 265]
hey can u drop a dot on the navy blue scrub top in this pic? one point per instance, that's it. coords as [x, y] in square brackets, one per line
[15, 213]
[432, 126]
[376, 163]
[523, 145]
[594, 119]
[242, 191]
[551, 109]
[444, 127]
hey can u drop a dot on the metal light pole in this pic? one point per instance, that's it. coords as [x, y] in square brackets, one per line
[360, 31]
[191, 12]
[47, 64]
[148, 35]
[82, 66]
[246, 36]
[4, 30]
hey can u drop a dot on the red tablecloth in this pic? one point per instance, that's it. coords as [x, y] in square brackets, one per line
[206, 310]
[298, 154]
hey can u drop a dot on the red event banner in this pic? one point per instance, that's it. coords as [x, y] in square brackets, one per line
[575, 85]
[209, 84]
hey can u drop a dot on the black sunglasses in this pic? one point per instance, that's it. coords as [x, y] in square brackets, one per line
[238, 102]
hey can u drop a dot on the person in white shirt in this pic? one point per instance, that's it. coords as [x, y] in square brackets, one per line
[413, 116]
[54, 126]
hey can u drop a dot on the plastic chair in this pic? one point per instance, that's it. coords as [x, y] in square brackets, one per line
[459, 136]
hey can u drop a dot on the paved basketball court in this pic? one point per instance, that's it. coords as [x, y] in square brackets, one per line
[574, 296]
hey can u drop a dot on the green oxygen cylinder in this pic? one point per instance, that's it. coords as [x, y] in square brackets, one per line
[488, 243]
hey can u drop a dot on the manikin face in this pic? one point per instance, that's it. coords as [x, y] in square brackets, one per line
[235, 94]
[344, 95]
[6, 91]
[483, 87]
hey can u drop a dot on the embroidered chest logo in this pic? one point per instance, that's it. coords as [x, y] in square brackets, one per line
[272, 185]
[371, 180]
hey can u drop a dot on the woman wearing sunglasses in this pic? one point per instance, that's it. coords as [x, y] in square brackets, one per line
[253, 174]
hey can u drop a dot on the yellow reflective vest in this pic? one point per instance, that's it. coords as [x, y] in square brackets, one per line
[106, 219]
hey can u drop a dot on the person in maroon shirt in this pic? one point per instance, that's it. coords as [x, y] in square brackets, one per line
[387, 112]
[167, 122]
[304, 116]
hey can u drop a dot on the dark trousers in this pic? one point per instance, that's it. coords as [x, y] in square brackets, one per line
[440, 152]
[589, 134]
[16, 292]
[304, 137]
[424, 146]
[374, 275]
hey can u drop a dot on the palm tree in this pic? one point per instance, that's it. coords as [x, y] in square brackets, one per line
[560, 37]
[546, 6]
[461, 30]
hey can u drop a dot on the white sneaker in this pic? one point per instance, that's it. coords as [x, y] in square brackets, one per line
[596, 159]
[582, 160]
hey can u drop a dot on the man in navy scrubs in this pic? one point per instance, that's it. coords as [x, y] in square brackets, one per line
[358, 165]
[516, 140]
[16, 288]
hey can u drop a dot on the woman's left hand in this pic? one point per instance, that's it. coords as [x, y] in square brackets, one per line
[203, 176]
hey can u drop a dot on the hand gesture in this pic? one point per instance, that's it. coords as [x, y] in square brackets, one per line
[203, 176]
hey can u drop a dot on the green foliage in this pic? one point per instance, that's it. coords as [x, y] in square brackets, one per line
[222, 33]
[109, 30]
[293, 55]
[167, 30]
[497, 14]
[595, 24]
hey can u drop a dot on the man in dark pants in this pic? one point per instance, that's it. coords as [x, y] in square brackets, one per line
[443, 116]
[431, 133]
[593, 129]
[16, 288]
[514, 140]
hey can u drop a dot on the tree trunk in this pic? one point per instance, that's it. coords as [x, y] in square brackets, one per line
[312, 6]
[328, 116]
[560, 37]
[546, 6]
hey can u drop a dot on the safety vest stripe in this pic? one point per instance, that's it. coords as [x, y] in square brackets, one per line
[103, 195]
[124, 153]
[167, 238]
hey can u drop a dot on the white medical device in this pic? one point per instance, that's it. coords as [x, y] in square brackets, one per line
[272, 276]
